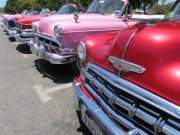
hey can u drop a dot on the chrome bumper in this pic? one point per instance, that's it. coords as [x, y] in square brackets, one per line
[11, 32]
[51, 57]
[2, 25]
[24, 37]
[96, 112]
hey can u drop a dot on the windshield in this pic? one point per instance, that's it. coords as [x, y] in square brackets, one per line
[24, 12]
[44, 11]
[67, 9]
[107, 7]
[62, 10]
[174, 11]
[32, 13]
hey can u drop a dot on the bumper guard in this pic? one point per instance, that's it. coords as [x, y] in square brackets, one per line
[2, 25]
[11, 32]
[51, 57]
[96, 112]
[24, 37]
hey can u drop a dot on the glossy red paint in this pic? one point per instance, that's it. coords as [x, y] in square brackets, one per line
[27, 22]
[153, 49]
[116, 48]
[157, 49]
[94, 43]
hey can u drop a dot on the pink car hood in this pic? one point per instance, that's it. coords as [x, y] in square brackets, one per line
[48, 23]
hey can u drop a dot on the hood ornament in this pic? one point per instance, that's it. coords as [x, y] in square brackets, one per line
[126, 66]
[76, 16]
[40, 28]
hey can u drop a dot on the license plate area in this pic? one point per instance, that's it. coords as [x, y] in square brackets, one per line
[88, 121]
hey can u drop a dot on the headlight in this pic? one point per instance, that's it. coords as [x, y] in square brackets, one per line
[81, 50]
[58, 31]
[34, 27]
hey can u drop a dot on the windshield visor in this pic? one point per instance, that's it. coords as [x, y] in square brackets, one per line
[44, 11]
[107, 7]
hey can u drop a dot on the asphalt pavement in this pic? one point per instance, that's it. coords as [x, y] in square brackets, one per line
[36, 97]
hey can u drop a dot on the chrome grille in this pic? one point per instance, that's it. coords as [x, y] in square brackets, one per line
[47, 41]
[130, 105]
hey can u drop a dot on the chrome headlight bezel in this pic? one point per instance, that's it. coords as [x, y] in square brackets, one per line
[81, 51]
[58, 32]
[34, 27]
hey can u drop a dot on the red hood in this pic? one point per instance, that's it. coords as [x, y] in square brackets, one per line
[29, 20]
[155, 48]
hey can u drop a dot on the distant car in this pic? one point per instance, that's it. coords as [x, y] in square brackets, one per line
[130, 80]
[4, 23]
[12, 27]
[24, 26]
[57, 37]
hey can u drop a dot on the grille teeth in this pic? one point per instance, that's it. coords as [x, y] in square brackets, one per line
[48, 41]
[137, 113]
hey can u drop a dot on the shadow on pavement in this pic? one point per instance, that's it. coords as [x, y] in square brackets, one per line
[11, 39]
[57, 73]
[23, 48]
[82, 127]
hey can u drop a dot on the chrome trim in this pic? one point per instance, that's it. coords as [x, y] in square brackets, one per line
[60, 31]
[127, 44]
[11, 32]
[40, 28]
[49, 38]
[76, 16]
[125, 65]
[20, 39]
[157, 122]
[28, 34]
[2, 25]
[84, 48]
[98, 114]
[136, 91]
[52, 57]
[169, 131]
[26, 30]
[57, 59]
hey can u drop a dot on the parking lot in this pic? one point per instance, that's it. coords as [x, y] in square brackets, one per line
[36, 96]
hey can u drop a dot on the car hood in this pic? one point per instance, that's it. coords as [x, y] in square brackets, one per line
[29, 20]
[69, 22]
[154, 48]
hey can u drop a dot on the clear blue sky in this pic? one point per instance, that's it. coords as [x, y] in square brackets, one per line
[2, 2]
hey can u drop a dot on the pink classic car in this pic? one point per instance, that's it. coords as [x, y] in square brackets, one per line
[24, 32]
[57, 36]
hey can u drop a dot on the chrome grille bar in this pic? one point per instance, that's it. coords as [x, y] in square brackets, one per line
[150, 117]
[48, 38]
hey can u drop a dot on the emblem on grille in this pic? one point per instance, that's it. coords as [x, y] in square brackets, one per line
[40, 28]
[123, 65]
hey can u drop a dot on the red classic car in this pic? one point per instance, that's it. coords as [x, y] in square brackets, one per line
[24, 26]
[33, 16]
[130, 80]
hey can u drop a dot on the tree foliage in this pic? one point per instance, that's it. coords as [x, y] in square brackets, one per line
[20, 5]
